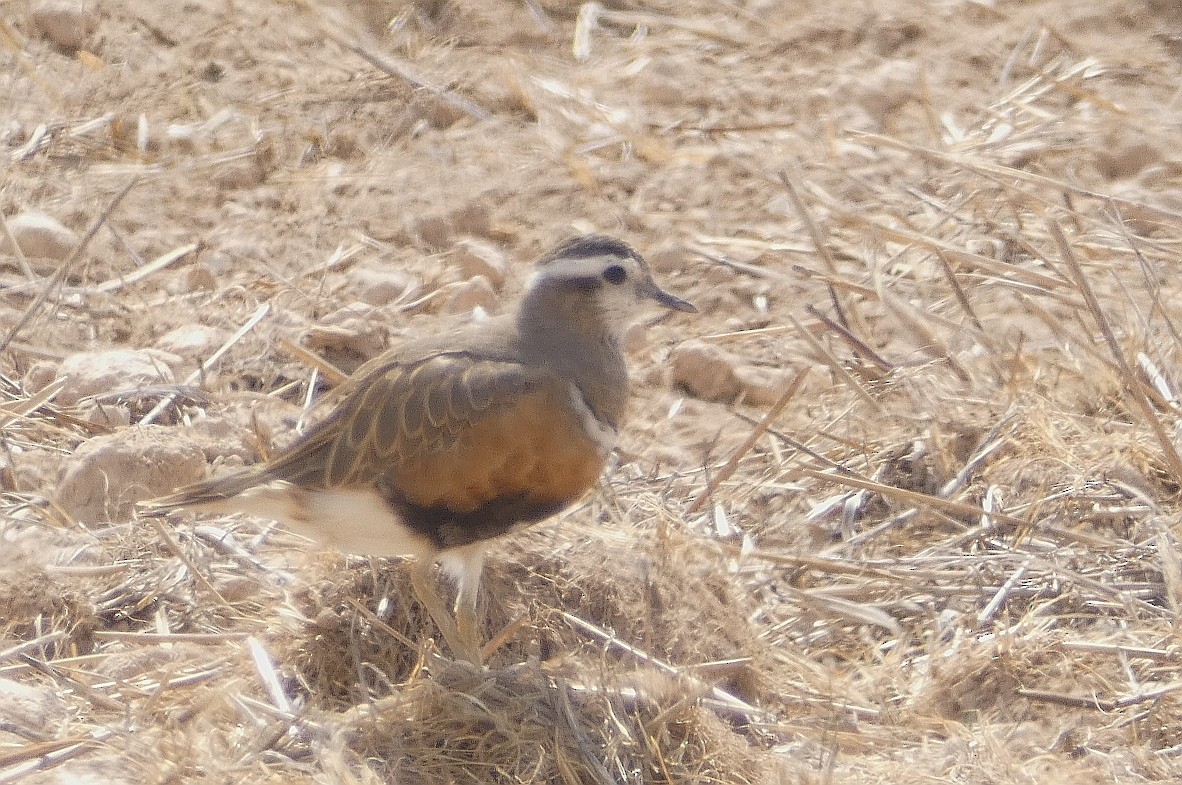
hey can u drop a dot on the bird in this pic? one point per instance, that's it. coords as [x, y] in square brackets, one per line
[445, 442]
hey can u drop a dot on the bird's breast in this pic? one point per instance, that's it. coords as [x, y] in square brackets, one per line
[541, 448]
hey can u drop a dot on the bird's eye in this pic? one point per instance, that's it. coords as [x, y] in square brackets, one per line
[615, 274]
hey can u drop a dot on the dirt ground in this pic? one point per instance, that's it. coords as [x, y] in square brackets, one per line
[901, 503]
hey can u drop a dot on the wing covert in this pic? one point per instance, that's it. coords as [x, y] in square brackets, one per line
[408, 411]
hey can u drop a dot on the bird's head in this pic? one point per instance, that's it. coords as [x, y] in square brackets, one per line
[597, 281]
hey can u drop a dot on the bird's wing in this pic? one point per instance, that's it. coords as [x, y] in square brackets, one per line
[420, 425]
[407, 412]
[464, 448]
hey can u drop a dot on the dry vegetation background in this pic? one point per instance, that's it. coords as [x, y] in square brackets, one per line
[950, 231]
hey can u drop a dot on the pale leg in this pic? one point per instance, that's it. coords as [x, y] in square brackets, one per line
[422, 580]
[463, 566]
[467, 592]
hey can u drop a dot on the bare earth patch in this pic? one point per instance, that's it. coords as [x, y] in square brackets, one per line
[900, 504]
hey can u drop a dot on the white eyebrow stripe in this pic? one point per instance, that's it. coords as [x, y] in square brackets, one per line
[580, 268]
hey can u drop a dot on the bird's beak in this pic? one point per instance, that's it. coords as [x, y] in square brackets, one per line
[654, 292]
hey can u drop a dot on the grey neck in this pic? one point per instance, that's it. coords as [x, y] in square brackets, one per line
[567, 334]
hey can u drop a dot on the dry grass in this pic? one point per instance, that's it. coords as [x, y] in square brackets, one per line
[954, 556]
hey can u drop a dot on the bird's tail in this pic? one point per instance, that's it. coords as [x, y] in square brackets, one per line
[303, 464]
[208, 494]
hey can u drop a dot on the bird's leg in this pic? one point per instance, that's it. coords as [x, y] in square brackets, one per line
[467, 591]
[422, 581]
